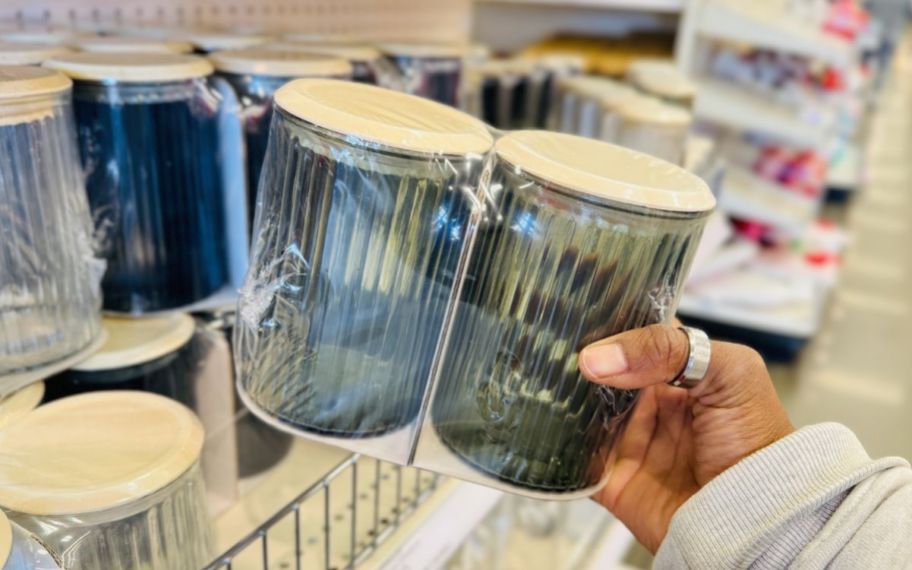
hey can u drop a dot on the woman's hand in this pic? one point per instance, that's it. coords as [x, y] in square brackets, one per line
[677, 440]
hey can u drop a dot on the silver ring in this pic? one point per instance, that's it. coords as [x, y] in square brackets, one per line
[697, 359]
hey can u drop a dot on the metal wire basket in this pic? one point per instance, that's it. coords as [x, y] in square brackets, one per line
[337, 522]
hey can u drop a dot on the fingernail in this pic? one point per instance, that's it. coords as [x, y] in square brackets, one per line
[604, 360]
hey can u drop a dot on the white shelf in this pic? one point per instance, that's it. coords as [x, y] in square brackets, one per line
[846, 174]
[663, 6]
[428, 539]
[750, 197]
[737, 108]
[757, 24]
[796, 320]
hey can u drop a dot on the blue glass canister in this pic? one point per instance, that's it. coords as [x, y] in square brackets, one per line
[433, 71]
[255, 74]
[149, 137]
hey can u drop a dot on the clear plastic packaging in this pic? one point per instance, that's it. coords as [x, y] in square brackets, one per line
[50, 297]
[580, 240]
[653, 127]
[109, 480]
[255, 74]
[20, 550]
[366, 198]
[421, 296]
[150, 133]
[12, 53]
[433, 71]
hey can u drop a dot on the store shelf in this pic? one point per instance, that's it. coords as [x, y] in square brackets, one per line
[750, 197]
[663, 6]
[435, 531]
[737, 108]
[846, 173]
[799, 320]
[761, 25]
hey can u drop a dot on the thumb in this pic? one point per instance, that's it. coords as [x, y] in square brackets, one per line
[656, 354]
[637, 358]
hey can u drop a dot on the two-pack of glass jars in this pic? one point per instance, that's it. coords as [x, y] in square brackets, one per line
[420, 292]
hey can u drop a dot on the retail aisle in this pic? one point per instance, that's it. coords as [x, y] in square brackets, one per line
[858, 370]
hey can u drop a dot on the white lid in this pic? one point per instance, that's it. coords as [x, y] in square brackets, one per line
[662, 78]
[22, 82]
[216, 41]
[275, 63]
[53, 36]
[605, 171]
[383, 116]
[125, 44]
[351, 52]
[135, 341]
[20, 403]
[131, 67]
[6, 539]
[13, 53]
[653, 112]
[423, 50]
[95, 451]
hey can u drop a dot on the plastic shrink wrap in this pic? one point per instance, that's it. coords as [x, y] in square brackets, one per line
[420, 294]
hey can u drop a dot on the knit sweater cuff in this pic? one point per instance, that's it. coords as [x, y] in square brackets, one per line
[746, 509]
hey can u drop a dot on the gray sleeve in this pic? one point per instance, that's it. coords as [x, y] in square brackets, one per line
[812, 500]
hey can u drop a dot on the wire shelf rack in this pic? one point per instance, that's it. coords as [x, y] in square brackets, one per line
[337, 522]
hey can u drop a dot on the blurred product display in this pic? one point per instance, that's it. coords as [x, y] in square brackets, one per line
[440, 205]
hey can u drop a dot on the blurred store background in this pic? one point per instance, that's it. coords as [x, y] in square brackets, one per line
[796, 112]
